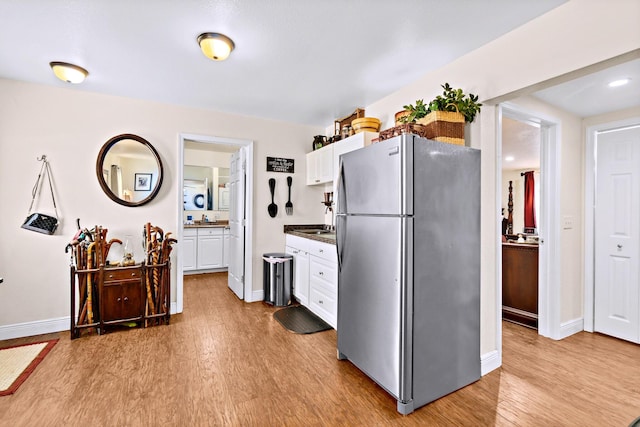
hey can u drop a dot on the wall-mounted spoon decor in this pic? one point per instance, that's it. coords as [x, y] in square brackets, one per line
[272, 208]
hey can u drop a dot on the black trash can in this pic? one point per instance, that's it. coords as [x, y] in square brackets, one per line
[278, 278]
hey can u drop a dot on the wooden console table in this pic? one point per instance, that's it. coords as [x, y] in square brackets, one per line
[108, 296]
[520, 283]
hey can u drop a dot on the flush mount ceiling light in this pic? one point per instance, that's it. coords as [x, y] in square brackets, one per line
[509, 159]
[215, 46]
[68, 72]
[620, 82]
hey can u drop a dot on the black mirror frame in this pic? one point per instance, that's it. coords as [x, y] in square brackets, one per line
[99, 164]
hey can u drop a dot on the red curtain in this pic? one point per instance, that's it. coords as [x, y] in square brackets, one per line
[529, 201]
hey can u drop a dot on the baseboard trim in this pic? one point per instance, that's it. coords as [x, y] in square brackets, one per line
[256, 296]
[489, 362]
[39, 327]
[571, 327]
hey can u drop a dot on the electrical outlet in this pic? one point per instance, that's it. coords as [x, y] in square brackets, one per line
[567, 222]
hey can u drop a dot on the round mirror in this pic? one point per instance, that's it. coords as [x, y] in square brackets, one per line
[129, 170]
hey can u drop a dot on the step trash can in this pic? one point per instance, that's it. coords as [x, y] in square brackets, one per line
[278, 278]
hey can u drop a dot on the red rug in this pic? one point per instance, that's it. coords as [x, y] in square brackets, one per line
[18, 362]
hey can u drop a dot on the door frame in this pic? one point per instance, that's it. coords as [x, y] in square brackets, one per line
[590, 170]
[248, 248]
[549, 249]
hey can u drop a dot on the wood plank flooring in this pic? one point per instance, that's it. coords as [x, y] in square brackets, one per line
[227, 363]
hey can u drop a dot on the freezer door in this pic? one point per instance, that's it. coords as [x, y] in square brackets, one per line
[370, 282]
[374, 180]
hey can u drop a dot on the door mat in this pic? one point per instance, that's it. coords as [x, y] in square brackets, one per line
[300, 320]
[18, 362]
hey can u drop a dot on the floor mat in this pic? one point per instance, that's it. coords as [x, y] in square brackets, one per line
[300, 320]
[17, 363]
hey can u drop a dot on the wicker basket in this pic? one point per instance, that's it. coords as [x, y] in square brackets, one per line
[414, 128]
[444, 126]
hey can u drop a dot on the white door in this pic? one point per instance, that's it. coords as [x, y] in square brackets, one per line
[237, 218]
[617, 234]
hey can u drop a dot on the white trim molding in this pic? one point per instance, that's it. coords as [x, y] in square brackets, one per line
[39, 327]
[571, 327]
[490, 362]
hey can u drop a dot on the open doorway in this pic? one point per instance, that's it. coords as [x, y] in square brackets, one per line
[528, 133]
[220, 200]
[520, 208]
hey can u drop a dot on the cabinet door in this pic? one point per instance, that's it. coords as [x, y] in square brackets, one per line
[189, 249]
[325, 170]
[122, 300]
[300, 274]
[210, 251]
[132, 301]
[312, 168]
[320, 166]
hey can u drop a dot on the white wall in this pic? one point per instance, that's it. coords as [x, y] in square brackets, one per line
[575, 35]
[70, 127]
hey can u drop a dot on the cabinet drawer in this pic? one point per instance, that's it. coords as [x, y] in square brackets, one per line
[323, 250]
[190, 232]
[323, 304]
[121, 274]
[297, 242]
[323, 273]
[218, 231]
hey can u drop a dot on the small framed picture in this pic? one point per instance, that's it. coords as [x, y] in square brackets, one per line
[143, 182]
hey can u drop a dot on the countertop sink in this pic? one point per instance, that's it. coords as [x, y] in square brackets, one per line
[314, 231]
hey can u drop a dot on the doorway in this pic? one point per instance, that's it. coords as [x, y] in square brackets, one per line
[228, 145]
[547, 215]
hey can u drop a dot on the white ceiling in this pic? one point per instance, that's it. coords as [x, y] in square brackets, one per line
[590, 95]
[301, 61]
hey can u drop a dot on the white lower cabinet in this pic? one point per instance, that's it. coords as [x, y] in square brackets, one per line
[297, 247]
[189, 249]
[205, 248]
[315, 276]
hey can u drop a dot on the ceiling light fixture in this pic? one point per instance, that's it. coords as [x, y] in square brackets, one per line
[509, 159]
[215, 46]
[68, 72]
[620, 82]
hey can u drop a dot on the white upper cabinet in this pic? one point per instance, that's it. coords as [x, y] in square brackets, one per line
[320, 165]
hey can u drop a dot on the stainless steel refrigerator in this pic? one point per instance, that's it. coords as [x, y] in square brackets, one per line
[408, 242]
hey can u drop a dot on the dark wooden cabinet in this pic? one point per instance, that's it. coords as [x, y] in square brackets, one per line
[520, 283]
[122, 298]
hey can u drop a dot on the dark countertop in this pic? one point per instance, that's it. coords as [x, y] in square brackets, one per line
[291, 229]
[200, 224]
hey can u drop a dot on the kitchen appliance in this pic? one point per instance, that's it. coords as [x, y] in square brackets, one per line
[408, 242]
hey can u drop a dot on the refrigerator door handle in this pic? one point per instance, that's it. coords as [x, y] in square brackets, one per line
[341, 229]
[341, 200]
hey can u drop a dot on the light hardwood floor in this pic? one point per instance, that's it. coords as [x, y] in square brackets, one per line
[224, 362]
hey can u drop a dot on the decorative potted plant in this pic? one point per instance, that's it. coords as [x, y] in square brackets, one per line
[444, 117]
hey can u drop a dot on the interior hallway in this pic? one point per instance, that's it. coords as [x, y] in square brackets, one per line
[224, 362]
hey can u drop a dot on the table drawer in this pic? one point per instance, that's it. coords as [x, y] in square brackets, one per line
[120, 274]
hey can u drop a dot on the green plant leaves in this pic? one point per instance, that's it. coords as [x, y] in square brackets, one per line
[453, 100]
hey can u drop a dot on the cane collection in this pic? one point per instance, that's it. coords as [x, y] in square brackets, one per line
[107, 294]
